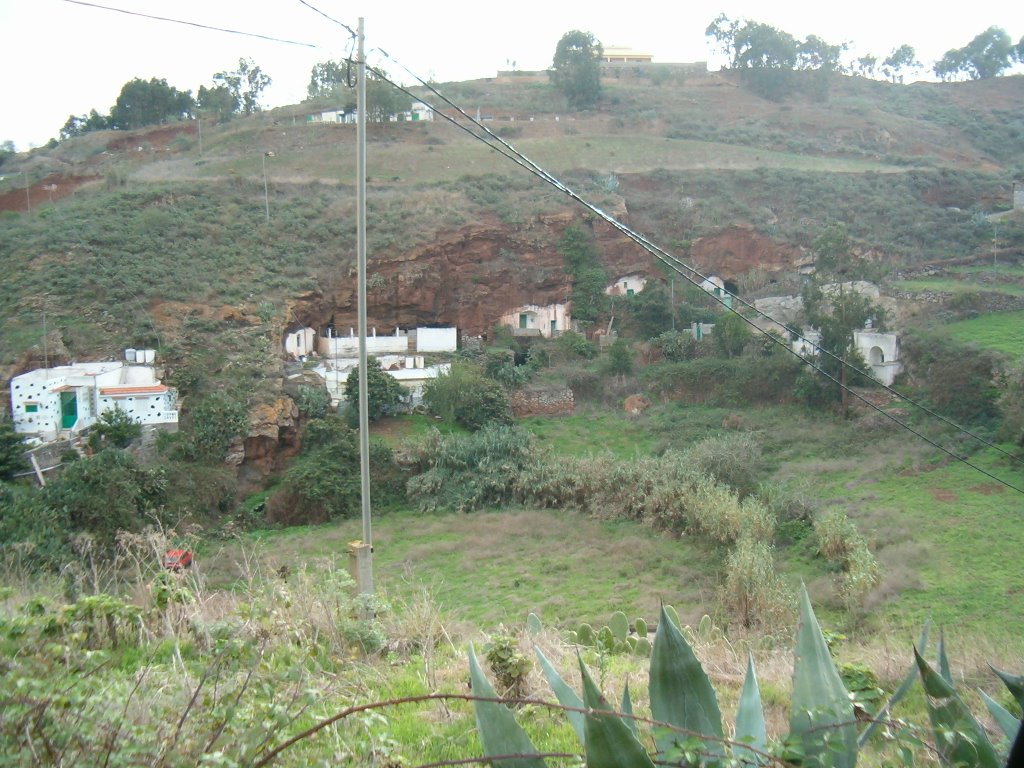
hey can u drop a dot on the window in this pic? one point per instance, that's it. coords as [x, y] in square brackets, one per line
[31, 407]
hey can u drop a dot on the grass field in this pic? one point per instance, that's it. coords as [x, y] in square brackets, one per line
[1003, 332]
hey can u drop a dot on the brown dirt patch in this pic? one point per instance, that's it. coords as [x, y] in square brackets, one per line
[52, 187]
[987, 489]
[941, 494]
[156, 138]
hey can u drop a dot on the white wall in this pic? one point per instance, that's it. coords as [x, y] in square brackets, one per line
[436, 339]
[348, 346]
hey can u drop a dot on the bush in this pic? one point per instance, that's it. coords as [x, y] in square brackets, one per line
[753, 592]
[213, 423]
[462, 473]
[313, 402]
[12, 451]
[115, 428]
[676, 346]
[324, 482]
[383, 392]
[464, 397]
[575, 345]
[733, 459]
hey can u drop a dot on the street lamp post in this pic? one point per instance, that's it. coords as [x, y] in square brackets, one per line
[266, 191]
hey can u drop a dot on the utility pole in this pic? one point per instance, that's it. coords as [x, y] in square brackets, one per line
[362, 552]
[995, 241]
[266, 190]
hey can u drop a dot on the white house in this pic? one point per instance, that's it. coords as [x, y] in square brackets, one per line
[881, 351]
[330, 344]
[627, 285]
[300, 342]
[716, 287]
[49, 403]
[533, 319]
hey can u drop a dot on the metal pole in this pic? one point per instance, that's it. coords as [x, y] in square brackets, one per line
[365, 585]
[266, 193]
[995, 240]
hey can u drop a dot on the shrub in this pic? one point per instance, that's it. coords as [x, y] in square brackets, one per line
[619, 361]
[467, 472]
[753, 592]
[115, 428]
[463, 396]
[214, 422]
[12, 451]
[383, 392]
[313, 402]
[733, 459]
[324, 483]
[574, 344]
[676, 346]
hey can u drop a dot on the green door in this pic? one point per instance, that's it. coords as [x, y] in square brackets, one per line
[68, 409]
[522, 319]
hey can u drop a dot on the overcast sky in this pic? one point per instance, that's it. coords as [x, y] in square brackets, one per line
[60, 58]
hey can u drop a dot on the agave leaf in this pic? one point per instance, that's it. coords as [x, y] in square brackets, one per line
[681, 693]
[627, 709]
[750, 728]
[943, 660]
[609, 741]
[668, 609]
[533, 625]
[566, 696]
[1014, 682]
[958, 737]
[1003, 717]
[908, 680]
[821, 717]
[499, 732]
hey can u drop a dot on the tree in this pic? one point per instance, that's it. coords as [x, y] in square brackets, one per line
[576, 68]
[731, 334]
[327, 78]
[143, 103]
[724, 30]
[986, 56]
[901, 58]
[832, 249]
[837, 315]
[245, 84]
[80, 125]
[218, 102]
[465, 397]
[866, 65]
[12, 451]
[383, 391]
[620, 360]
[766, 58]
[588, 276]
[116, 429]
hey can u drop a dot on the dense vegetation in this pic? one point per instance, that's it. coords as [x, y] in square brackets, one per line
[736, 478]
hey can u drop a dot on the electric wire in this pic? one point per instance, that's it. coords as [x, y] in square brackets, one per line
[192, 24]
[341, 24]
[683, 269]
[686, 271]
[665, 257]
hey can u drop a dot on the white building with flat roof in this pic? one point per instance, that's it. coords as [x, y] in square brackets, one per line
[49, 403]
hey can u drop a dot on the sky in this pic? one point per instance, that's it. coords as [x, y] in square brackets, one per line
[60, 58]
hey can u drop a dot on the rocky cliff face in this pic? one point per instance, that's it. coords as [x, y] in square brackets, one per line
[469, 277]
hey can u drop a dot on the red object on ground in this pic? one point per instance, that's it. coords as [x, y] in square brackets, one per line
[176, 559]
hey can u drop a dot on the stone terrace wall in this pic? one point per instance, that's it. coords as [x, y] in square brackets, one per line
[557, 401]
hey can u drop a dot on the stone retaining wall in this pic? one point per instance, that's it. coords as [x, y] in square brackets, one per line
[557, 401]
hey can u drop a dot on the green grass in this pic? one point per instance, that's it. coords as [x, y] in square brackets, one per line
[490, 568]
[957, 287]
[1003, 332]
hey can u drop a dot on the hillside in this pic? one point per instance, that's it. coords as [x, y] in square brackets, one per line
[700, 166]
[734, 478]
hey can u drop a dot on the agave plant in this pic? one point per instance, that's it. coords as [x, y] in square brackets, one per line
[686, 722]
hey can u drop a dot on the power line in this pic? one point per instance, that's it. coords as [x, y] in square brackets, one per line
[686, 271]
[672, 262]
[341, 24]
[193, 24]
